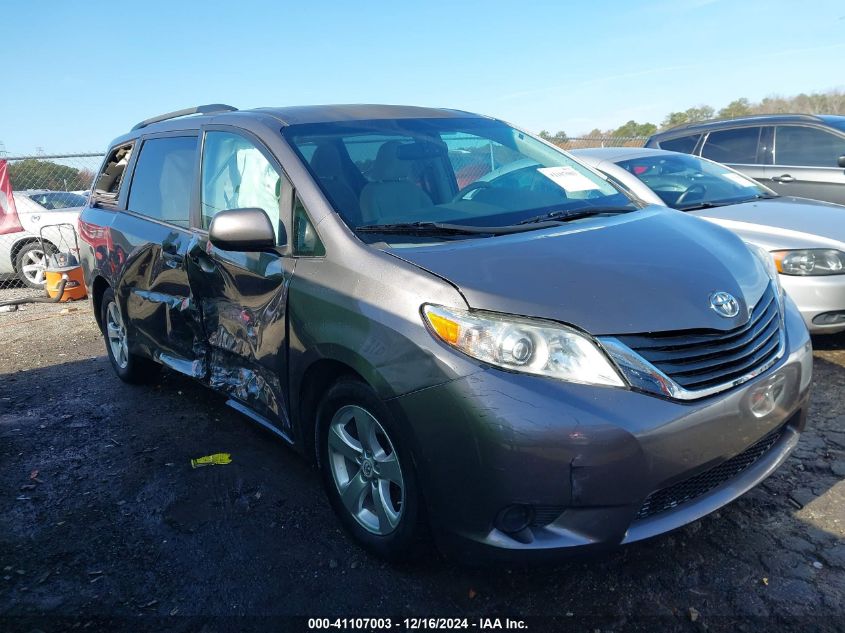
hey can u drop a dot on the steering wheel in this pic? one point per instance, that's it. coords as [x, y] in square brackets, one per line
[697, 187]
[473, 186]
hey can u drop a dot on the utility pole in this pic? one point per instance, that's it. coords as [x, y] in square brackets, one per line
[3, 151]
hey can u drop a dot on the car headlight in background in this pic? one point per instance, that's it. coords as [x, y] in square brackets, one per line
[810, 261]
[524, 345]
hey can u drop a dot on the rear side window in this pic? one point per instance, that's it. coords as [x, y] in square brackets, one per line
[163, 177]
[796, 145]
[738, 145]
[685, 144]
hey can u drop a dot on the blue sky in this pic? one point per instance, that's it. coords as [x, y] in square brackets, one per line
[79, 74]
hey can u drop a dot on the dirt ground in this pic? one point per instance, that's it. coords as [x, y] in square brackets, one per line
[104, 524]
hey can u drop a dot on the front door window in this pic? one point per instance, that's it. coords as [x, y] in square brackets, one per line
[237, 175]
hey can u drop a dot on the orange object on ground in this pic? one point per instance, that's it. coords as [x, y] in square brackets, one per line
[64, 266]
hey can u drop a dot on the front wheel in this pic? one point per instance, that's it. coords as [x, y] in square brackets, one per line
[368, 471]
[129, 367]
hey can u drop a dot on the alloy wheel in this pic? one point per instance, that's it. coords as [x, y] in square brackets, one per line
[116, 334]
[365, 469]
[33, 266]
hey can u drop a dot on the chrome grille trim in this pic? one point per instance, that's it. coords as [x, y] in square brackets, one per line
[695, 364]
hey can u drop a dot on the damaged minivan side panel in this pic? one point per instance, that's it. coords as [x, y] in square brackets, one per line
[243, 303]
[243, 295]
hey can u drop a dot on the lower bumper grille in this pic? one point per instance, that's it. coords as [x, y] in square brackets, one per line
[689, 489]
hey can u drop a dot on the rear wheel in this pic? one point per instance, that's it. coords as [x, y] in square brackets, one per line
[368, 472]
[31, 263]
[128, 366]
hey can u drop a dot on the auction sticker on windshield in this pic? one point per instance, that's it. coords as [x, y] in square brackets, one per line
[568, 178]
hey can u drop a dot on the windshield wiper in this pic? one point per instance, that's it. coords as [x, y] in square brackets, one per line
[697, 206]
[442, 228]
[564, 215]
[724, 203]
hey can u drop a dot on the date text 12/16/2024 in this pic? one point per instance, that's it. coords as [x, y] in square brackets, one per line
[416, 624]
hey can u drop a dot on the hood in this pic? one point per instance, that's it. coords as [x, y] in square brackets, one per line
[645, 271]
[783, 222]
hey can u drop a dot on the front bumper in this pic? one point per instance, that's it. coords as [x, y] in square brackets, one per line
[816, 296]
[585, 458]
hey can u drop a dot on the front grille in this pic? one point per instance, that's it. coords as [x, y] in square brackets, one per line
[699, 359]
[689, 489]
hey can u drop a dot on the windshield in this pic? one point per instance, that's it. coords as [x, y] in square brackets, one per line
[54, 200]
[460, 171]
[686, 182]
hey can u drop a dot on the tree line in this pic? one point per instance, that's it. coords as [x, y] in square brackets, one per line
[33, 173]
[829, 102]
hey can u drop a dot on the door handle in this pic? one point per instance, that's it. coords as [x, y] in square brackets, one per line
[171, 257]
[783, 178]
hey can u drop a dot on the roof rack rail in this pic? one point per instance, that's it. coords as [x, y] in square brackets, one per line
[745, 117]
[210, 108]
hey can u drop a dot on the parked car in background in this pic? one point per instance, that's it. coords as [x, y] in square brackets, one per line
[799, 155]
[806, 237]
[530, 364]
[21, 253]
[55, 200]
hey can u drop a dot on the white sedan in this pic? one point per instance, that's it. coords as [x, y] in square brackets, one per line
[21, 254]
[805, 237]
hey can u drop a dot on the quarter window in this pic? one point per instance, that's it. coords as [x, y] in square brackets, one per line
[738, 145]
[107, 186]
[161, 184]
[236, 175]
[306, 242]
[796, 145]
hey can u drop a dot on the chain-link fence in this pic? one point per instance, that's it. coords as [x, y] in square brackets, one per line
[600, 141]
[40, 199]
[49, 190]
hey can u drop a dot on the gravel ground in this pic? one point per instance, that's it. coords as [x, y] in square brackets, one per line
[102, 520]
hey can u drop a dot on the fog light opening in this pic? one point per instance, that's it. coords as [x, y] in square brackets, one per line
[829, 318]
[514, 519]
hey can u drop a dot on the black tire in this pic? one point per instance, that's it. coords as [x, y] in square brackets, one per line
[133, 369]
[24, 258]
[407, 537]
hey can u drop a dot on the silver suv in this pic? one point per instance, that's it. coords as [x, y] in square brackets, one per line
[799, 155]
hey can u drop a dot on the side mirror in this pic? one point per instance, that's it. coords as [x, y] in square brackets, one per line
[841, 161]
[245, 230]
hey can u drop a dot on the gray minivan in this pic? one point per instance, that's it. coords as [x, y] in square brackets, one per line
[474, 336]
[801, 155]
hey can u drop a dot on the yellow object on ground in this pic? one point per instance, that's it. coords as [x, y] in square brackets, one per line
[218, 459]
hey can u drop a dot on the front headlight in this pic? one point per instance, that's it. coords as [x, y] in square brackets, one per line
[524, 345]
[810, 261]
